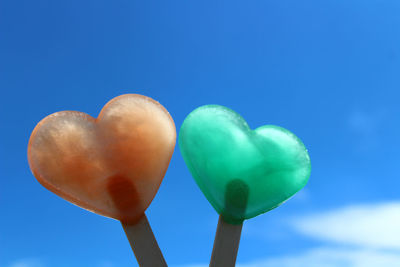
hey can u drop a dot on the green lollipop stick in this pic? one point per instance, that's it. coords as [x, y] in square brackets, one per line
[219, 148]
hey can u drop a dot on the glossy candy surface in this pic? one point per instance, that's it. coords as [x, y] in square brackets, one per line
[112, 165]
[242, 172]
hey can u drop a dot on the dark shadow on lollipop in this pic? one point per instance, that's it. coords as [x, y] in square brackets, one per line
[124, 195]
[236, 198]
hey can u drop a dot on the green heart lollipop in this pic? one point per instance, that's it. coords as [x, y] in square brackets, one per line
[242, 172]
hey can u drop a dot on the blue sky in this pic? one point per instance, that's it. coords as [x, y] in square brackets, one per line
[329, 71]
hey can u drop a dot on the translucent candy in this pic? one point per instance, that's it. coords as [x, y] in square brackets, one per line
[112, 165]
[242, 172]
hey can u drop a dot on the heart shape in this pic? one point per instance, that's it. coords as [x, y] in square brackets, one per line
[242, 172]
[112, 165]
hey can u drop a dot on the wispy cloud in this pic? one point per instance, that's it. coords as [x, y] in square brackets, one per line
[106, 263]
[365, 126]
[33, 262]
[363, 122]
[27, 263]
[372, 226]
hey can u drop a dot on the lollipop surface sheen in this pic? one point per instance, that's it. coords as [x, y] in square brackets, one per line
[112, 165]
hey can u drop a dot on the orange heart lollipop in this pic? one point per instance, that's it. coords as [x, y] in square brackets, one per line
[112, 165]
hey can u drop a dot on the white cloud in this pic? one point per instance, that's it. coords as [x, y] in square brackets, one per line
[365, 235]
[327, 257]
[372, 226]
[27, 263]
[332, 257]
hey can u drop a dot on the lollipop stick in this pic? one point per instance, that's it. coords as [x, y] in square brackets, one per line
[227, 238]
[226, 244]
[144, 244]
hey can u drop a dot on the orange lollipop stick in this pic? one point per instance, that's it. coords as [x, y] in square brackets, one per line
[112, 165]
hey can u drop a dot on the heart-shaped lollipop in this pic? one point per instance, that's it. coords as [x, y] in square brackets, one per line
[242, 172]
[112, 165]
